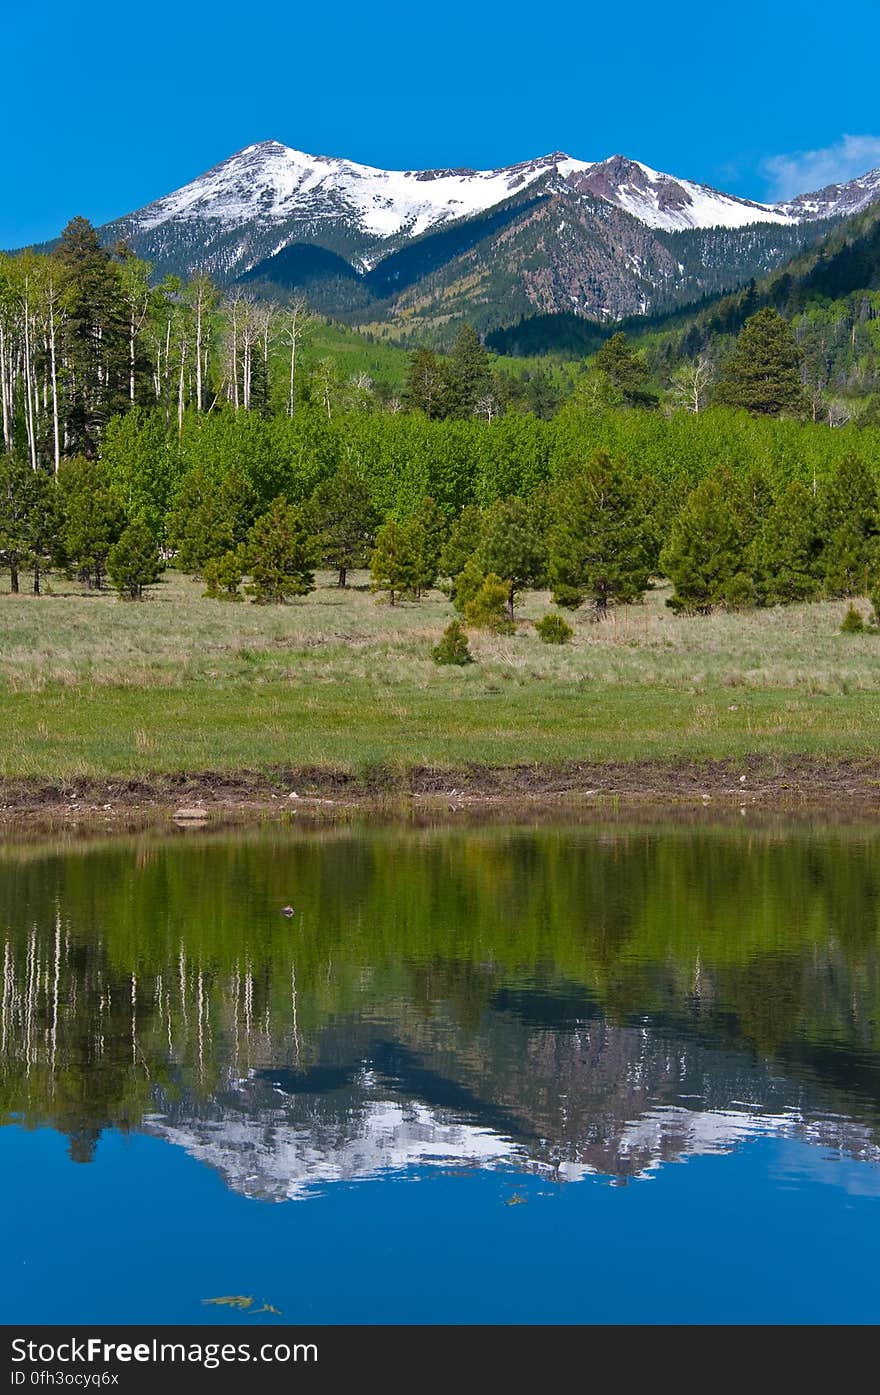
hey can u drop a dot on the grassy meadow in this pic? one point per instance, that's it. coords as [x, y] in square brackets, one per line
[93, 686]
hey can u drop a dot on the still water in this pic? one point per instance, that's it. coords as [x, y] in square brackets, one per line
[560, 1074]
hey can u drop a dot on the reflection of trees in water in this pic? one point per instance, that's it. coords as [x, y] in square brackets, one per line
[479, 962]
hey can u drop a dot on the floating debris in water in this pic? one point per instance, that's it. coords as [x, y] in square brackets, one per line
[235, 1300]
[516, 1200]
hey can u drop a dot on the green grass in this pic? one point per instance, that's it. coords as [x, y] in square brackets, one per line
[92, 686]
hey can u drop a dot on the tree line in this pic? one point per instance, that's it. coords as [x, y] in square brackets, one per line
[597, 533]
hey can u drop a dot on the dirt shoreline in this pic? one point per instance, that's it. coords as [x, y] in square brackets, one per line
[834, 788]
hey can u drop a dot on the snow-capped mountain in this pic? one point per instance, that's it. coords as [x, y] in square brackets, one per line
[270, 182]
[836, 200]
[604, 239]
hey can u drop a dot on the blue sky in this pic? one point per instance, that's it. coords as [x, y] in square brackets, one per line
[106, 106]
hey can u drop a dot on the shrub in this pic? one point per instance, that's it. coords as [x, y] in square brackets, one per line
[467, 583]
[553, 629]
[453, 648]
[739, 592]
[853, 622]
[487, 609]
[134, 562]
[223, 576]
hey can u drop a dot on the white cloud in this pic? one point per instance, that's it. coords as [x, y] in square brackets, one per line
[808, 170]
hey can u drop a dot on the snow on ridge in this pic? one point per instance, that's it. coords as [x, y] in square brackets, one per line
[269, 182]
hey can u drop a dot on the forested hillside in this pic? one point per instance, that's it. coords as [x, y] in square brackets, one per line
[148, 423]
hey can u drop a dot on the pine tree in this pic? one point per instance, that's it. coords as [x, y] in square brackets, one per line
[625, 370]
[762, 374]
[133, 562]
[453, 647]
[853, 622]
[427, 530]
[596, 541]
[488, 607]
[704, 556]
[470, 374]
[209, 517]
[462, 544]
[468, 582]
[94, 337]
[224, 575]
[43, 524]
[553, 629]
[394, 564]
[93, 518]
[428, 386]
[787, 550]
[850, 518]
[280, 555]
[513, 547]
[344, 520]
[16, 493]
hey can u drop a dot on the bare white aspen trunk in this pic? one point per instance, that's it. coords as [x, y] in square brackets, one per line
[180, 386]
[5, 394]
[53, 369]
[28, 381]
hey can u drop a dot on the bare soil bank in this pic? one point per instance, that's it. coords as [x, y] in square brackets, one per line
[837, 789]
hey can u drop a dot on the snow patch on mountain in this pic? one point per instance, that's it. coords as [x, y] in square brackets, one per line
[836, 199]
[664, 201]
[270, 182]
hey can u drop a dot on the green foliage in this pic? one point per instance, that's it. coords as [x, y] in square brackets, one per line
[704, 553]
[453, 647]
[280, 555]
[394, 565]
[596, 542]
[427, 531]
[850, 514]
[513, 546]
[461, 545]
[762, 373]
[788, 548]
[133, 562]
[470, 376]
[224, 575]
[625, 370]
[853, 622]
[29, 518]
[209, 517]
[344, 520]
[553, 629]
[94, 335]
[468, 582]
[428, 388]
[93, 518]
[487, 608]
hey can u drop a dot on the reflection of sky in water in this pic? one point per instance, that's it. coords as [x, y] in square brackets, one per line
[797, 1167]
[505, 1021]
[148, 1233]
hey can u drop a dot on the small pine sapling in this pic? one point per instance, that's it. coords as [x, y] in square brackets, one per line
[553, 629]
[453, 647]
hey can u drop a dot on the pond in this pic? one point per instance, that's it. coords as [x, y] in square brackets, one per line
[609, 1072]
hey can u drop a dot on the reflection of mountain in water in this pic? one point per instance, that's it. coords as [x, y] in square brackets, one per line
[588, 1099]
[576, 1002]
